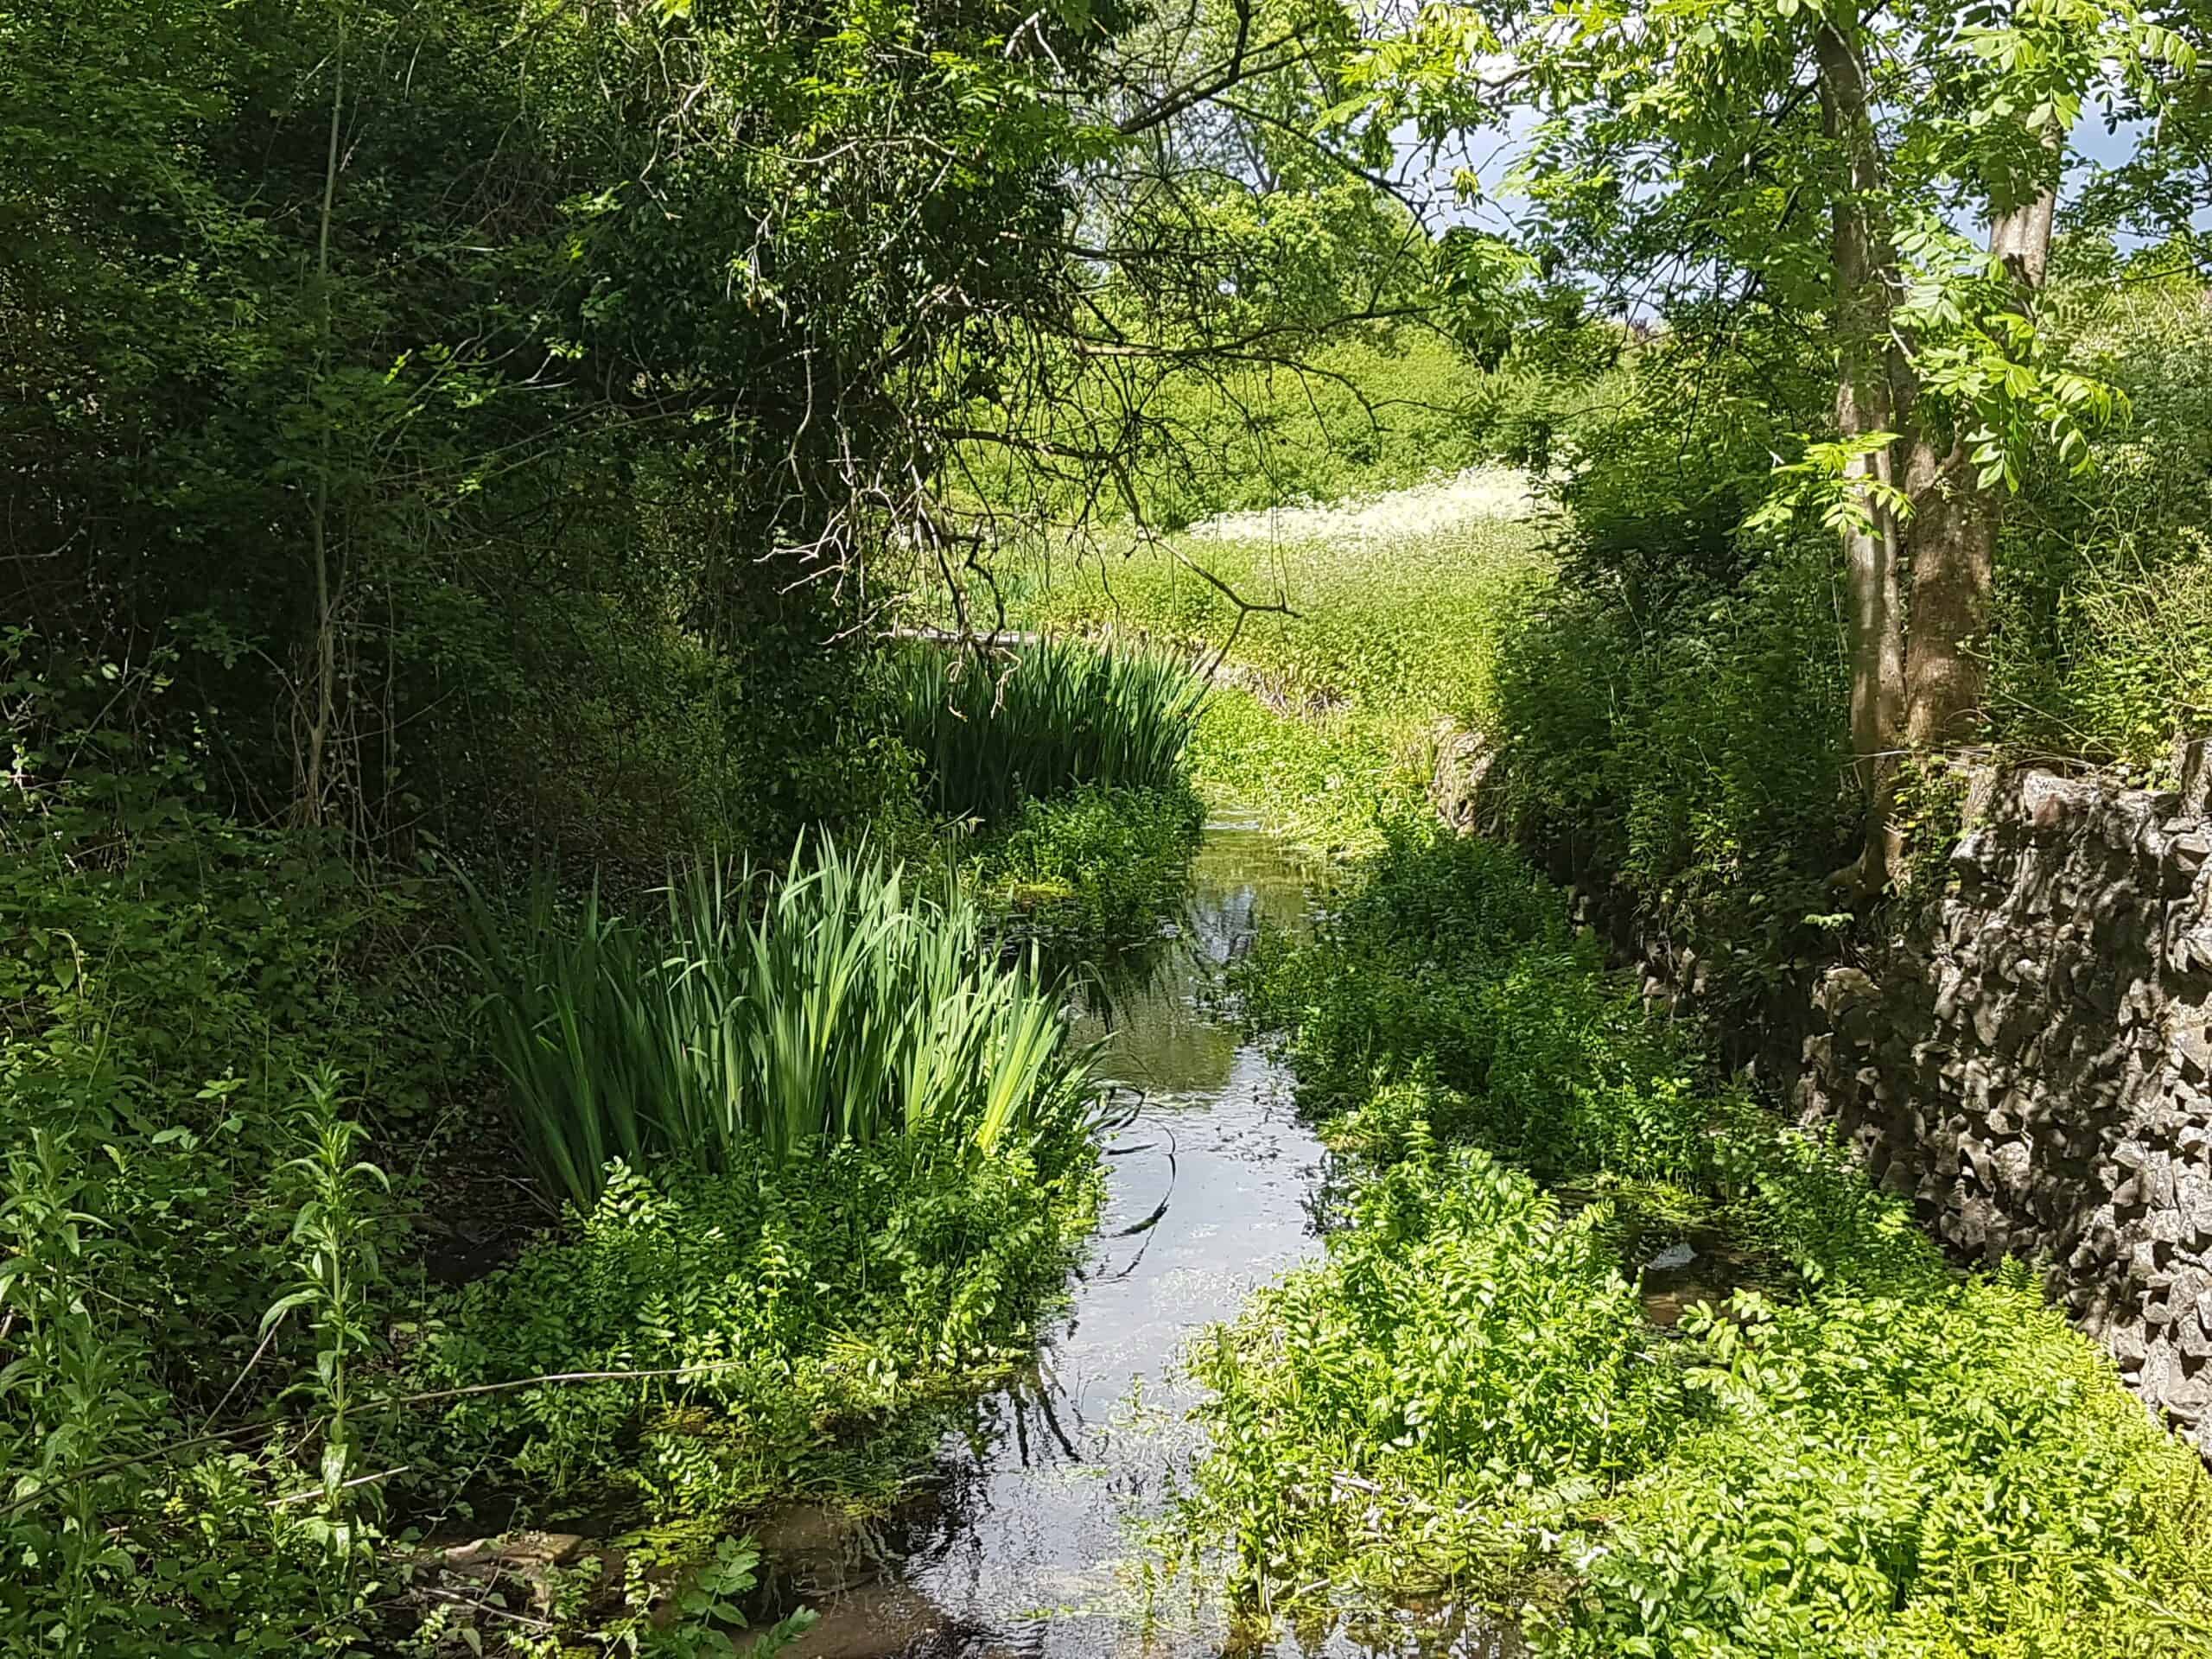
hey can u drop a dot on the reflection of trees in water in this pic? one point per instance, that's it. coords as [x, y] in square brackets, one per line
[1155, 1005]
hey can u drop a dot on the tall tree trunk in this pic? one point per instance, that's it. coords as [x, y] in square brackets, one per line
[1865, 403]
[313, 779]
[1956, 519]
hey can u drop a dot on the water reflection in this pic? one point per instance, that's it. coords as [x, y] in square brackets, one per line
[1213, 1182]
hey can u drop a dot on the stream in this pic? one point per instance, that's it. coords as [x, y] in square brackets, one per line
[1025, 1546]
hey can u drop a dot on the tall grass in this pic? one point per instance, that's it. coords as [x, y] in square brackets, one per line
[994, 732]
[842, 1005]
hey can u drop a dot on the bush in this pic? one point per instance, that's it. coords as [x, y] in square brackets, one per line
[1451, 959]
[1691, 754]
[1674, 707]
[2103, 643]
[1418, 1401]
[181, 1164]
[1946, 1473]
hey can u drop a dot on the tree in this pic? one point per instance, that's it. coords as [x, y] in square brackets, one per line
[1888, 177]
[417, 365]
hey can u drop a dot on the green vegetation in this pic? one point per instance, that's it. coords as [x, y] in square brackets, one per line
[1676, 708]
[1380, 410]
[848, 1009]
[1855, 1451]
[1389, 610]
[182, 1210]
[993, 733]
[801, 1323]
[1093, 866]
[2102, 644]
[1072, 763]
[462, 472]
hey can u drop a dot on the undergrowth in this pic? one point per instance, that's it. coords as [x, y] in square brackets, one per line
[1859, 1451]
[236, 1065]
[1094, 868]
[801, 1325]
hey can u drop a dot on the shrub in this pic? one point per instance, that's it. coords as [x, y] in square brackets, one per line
[1948, 1472]
[1690, 754]
[813, 1305]
[994, 732]
[1449, 957]
[1094, 868]
[850, 1009]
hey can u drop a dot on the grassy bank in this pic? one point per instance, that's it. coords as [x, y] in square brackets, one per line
[348, 1206]
[1371, 622]
[1843, 1447]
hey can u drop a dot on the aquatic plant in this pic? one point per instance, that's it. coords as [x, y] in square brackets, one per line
[835, 1003]
[996, 731]
[1093, 869]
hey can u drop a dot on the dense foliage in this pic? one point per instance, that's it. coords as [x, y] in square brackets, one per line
[446, 385]
[799, 1325]
[1093, 867]
[844, 1007]
[442, 443]
[178, 1065]
[1674, 708]
[1853, 1449]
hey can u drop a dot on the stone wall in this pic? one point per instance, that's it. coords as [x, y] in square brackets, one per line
[2032, 1062]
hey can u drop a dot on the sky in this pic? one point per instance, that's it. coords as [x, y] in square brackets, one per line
[1492, 154]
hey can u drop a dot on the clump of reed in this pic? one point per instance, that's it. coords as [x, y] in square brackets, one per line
[994, 731]
[836, 1002]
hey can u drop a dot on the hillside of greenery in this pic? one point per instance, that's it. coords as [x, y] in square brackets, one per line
[605, 610]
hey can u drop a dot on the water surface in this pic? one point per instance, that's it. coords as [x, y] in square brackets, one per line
[1027, 1545]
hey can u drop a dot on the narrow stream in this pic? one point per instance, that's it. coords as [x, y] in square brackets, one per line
[1025, 1546]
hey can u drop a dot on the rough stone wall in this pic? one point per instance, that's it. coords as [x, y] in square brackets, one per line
[2032, 1062]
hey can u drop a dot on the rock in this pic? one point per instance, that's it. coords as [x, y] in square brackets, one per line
[1464, 761]
[2190, 1044]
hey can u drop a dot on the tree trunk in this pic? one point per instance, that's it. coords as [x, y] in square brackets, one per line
[1865, 404]
[1956, 519]
[313, 778]
[1954, 565]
